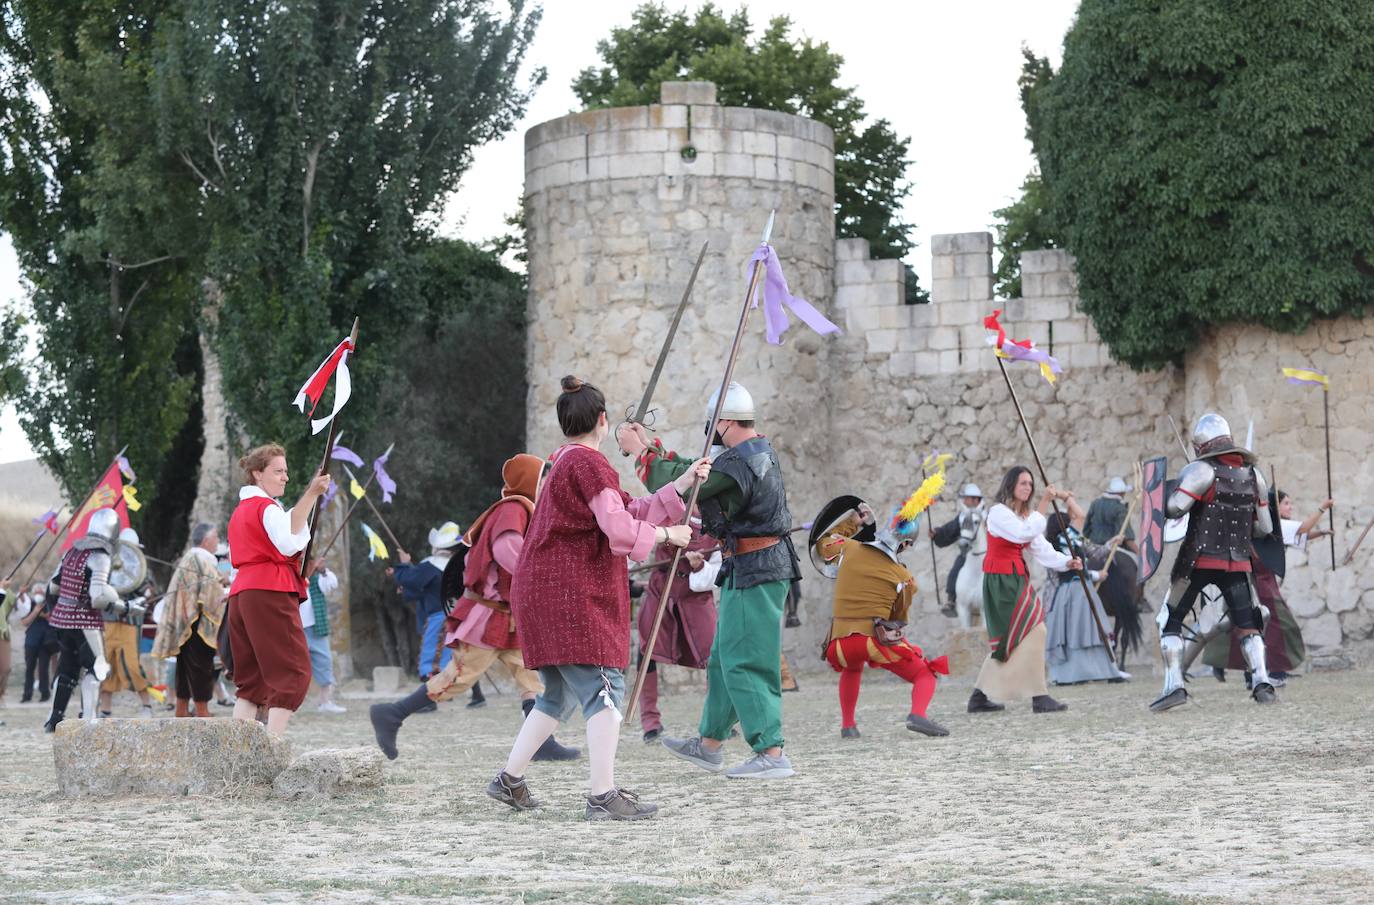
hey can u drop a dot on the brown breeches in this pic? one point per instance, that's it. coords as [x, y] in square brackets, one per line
[271, 660]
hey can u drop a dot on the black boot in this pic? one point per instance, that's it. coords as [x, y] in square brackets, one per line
[979, 703]
[1043, 703]
[478, 699]
[551, 749]
[387, 718]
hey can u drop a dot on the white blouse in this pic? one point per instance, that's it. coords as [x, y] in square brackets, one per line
[276, 521]
[1004, 523]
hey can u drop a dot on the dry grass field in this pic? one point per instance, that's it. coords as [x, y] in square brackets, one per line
[1220, 802]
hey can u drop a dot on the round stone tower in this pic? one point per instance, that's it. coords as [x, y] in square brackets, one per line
[617, 205]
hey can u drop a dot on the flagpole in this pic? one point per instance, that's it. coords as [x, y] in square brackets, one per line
[1083, 572]
[75, 512]
[730, 360]
[934, 568]
[347, 515]
[328, 456]
[33, 543]
[1330, 513]
[373, 506]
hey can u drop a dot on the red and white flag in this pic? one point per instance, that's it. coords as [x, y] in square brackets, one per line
[313, 389]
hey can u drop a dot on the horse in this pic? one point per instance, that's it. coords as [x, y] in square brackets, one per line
[968, 586]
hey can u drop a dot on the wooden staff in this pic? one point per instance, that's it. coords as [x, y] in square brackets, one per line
[373, 506]
[730, 360]
[934, 569]
[328, 455]
[1083, 572]
[1121, 535]
[347, 515]
[75, 512]
[33, 543]
[1351, 554]
[650, 566]
[1330, 513]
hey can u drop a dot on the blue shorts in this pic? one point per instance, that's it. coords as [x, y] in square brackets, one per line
[593, 687]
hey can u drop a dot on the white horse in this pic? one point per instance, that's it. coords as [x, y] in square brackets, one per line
[968, 586]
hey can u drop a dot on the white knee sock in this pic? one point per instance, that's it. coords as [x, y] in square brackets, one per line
[538, 726]
[603, 736]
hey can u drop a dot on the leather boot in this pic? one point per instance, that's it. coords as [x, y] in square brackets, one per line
[183, 707]
[650, 720]
[203, 708]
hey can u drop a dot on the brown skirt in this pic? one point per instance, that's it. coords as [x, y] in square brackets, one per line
[271, 659]
[1021, 676]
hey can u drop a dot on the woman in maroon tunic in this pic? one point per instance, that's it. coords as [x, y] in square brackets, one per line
[570, 596]
[271, 660]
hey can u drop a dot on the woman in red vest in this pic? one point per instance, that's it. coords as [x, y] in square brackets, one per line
[570, 595]
[271, 660]
[1015, 620]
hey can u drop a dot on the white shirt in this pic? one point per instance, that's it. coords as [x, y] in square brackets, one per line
[1004, 523]
[704, 579]
[276, 521]
[1291, 537]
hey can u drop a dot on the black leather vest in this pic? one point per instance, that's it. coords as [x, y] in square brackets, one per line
[1222, 527]
[753, 465]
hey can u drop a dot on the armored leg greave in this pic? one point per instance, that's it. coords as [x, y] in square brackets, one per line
[95, 638]
[1252, 646]
[90, 696]
[1174, 694]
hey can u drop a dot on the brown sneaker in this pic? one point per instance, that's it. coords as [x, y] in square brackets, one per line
[619, 804]
[512, 791]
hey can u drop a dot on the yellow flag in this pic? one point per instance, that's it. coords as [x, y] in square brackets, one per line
[356, 489]
[375, 547]
[130, 500]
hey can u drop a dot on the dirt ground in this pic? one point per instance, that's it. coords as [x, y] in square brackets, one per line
[1222, 801]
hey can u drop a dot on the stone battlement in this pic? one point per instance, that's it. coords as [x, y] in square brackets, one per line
[947, 336]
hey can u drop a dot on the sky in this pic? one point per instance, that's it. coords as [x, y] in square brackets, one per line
[943, 73]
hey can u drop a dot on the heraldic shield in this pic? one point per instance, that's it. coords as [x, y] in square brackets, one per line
[1151, 534]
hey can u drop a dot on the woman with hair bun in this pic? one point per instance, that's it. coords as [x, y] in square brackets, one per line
[571, 601]
[267, 642]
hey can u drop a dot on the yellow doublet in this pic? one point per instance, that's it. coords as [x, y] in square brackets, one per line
[871, 585]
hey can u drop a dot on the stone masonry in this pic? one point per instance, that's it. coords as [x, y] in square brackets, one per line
[618, 203]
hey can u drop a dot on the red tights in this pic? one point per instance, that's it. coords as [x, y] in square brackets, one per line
[914, 671]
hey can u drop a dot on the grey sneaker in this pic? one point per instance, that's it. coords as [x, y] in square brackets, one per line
[512, 791]
[619, 804]
[761, 766]
[692, 751]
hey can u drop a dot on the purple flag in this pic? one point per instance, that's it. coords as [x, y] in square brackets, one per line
[344, 454]
[126, 469]
[330, 494]
[383, 479]
[777, 297]
[48, 521]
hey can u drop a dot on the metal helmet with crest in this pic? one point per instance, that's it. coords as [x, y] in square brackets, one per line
[1212, 437]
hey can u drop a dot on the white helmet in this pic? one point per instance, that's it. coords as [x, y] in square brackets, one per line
[103, 529]
[130, 536]
[971, 490]
[739, 405]
[1117, 485]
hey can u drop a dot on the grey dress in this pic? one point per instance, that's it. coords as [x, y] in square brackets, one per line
[1073, 648]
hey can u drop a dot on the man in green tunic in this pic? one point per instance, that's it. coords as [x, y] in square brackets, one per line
[744, 505]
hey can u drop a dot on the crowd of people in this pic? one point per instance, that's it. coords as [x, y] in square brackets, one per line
[538, 588]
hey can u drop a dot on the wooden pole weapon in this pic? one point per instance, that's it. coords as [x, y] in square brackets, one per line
[730, 360]
[75, 512]
[328, 456]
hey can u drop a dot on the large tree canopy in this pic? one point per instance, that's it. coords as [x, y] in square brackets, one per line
[1210, 162]
[774, 71]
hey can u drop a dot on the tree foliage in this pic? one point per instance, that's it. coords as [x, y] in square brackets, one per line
[106, 245]
[1024, 225]
[1212, 162]
[776, 71]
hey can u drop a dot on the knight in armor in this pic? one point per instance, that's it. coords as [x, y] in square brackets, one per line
[122, 633]
[480, 632]
[744, 506]
[873, 593]
[1226, 499]
[963, 529]
[82, 587]
[689, 621]
[1107, 514]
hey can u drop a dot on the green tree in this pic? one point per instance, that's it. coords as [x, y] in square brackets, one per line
[1024, 225]
[1212, 162]
[109, 254]
[323, 145]
[776, 71]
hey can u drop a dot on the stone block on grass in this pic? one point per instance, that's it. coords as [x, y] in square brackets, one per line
[330, 773]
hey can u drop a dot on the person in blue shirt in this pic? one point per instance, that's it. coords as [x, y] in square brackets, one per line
[423, 583]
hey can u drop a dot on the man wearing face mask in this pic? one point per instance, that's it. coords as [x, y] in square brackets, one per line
[873, 592]
[744, 505]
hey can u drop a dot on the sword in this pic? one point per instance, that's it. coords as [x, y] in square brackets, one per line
[643, 411]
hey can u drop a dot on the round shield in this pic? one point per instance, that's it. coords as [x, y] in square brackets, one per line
[831, 513]
[1175, 528]
[128, 569]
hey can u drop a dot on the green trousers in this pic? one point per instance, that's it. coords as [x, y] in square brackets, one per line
[743, 674]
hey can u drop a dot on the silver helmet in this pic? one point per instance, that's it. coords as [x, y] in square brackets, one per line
[1209, 427]
[739, 405]
[971, 490]
[103, 529]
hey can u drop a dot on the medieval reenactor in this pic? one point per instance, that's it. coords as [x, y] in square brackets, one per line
[1107, 514]
[873, 594]
[1226, 499]
[82, 587]
[963, 529]
[422, 583]
[743, 505]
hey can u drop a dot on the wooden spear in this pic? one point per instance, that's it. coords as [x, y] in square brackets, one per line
[75, 512]
[730, 360]
[328, 456]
